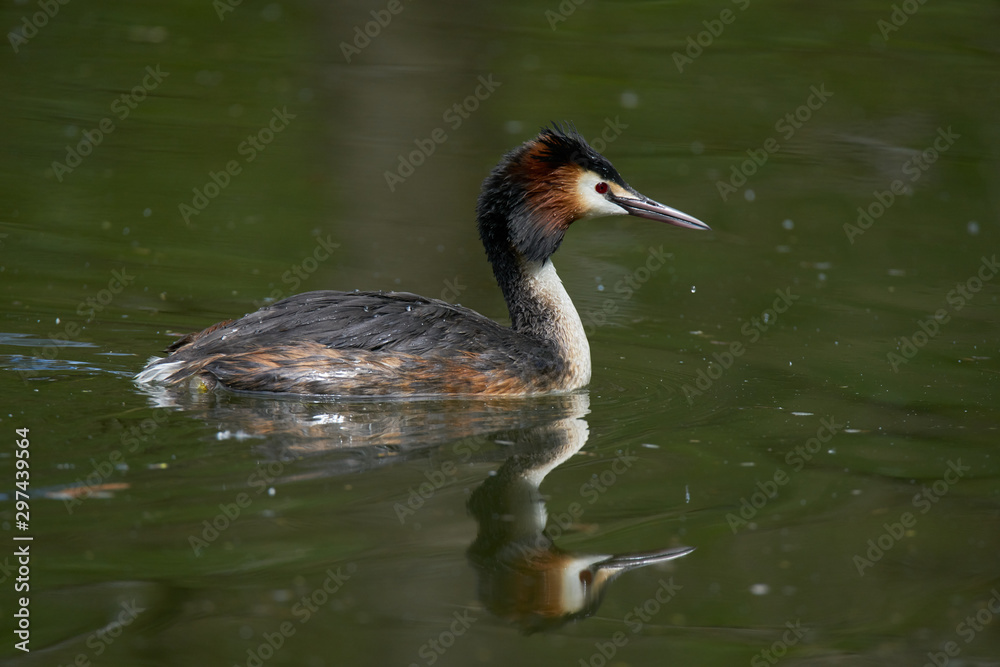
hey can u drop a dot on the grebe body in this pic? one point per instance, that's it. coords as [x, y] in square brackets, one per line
[388, 343]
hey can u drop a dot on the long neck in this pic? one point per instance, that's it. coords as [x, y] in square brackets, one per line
[540, 307]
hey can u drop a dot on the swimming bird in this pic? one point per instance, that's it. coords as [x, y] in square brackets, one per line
[398, 343]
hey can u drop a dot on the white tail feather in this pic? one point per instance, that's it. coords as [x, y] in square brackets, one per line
[157, 373]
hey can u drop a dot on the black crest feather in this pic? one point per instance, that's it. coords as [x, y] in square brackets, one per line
[565, 145]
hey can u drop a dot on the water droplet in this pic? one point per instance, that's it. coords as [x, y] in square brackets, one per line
[629, 99]
[693, 289]
[788, 224]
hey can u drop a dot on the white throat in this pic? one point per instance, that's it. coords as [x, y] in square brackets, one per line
[568, 333]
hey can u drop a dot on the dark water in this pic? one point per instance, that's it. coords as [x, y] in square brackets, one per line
[806, 394]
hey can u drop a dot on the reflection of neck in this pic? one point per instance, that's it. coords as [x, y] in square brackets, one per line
[508, 505]
[572, 436]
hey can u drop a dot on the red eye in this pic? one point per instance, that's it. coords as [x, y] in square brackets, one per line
[601, 188]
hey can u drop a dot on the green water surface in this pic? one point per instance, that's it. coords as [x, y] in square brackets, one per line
[806, 394]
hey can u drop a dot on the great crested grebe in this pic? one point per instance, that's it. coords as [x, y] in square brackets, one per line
[386, 343]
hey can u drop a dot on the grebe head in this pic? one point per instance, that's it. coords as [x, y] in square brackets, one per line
[538, 189]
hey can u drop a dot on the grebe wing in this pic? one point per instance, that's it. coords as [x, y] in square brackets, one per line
[376, 321]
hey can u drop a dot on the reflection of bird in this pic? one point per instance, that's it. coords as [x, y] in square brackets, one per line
[370, 432]
[523, 577]
[374, 343]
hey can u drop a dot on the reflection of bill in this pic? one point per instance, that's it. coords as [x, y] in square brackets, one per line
[524, 578]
